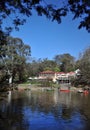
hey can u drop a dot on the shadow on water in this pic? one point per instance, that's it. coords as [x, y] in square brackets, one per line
[28, 110]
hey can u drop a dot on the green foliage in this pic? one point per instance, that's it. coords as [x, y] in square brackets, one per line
[15, 11]
[56, 69]
[37, 66]
[65, 62]
[14, 62]
[84, 65]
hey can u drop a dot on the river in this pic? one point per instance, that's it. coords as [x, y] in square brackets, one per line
[45, 110]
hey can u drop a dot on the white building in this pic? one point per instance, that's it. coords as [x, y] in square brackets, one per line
[56, 76]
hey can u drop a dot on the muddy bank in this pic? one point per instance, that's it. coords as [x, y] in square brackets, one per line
[32, 87]
[36, 88]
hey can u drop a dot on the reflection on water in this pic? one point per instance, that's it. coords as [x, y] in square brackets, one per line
[56, 110]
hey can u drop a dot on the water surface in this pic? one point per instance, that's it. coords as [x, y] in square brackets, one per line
[26, 110]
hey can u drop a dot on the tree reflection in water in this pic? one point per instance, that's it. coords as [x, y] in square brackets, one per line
[28, 110]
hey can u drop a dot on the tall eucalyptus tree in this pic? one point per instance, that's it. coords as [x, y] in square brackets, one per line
[16, 54]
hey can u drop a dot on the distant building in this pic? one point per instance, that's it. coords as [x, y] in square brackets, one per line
[56, 76]
[51, 75]
[77, 72]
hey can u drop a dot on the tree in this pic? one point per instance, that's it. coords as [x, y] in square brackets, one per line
[16, 54]
[48, 64]
[34, 68]
[65, 61]
[84, 66]
[15, 9]
[37, 66]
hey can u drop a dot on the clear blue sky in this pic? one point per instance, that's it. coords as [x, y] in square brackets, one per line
[48, 38]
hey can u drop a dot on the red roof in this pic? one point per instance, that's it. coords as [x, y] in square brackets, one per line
[52, 72]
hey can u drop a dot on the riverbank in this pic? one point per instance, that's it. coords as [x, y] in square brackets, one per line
[34, 87]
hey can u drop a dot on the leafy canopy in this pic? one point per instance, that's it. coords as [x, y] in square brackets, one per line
[16, 56]
[16, 10]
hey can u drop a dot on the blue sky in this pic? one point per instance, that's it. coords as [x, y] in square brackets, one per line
[48, 38]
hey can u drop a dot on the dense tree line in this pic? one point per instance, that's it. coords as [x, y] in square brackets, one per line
[66, 63]
[16, 65]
